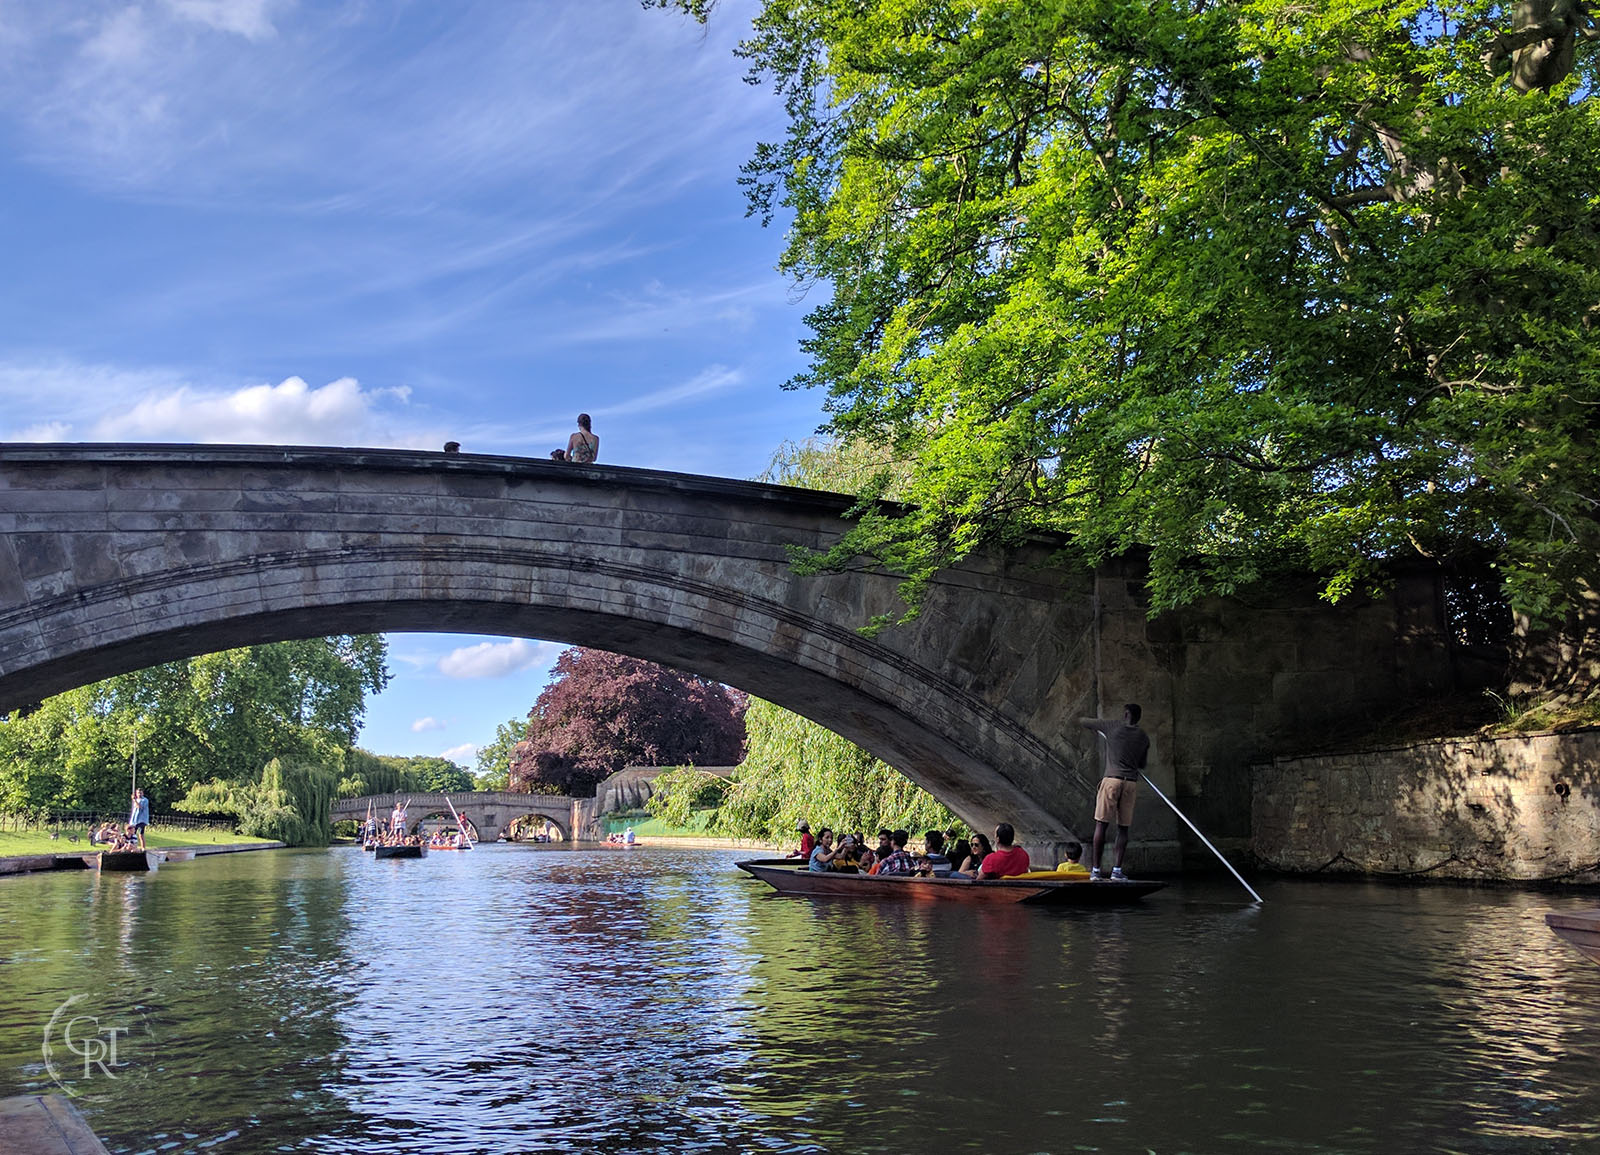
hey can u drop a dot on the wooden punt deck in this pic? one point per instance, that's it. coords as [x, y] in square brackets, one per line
[45, 1125]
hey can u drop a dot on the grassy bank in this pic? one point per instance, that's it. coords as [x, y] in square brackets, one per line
[13, 843]
[647, 825]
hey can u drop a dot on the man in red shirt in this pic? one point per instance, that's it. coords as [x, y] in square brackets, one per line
[1007, 860]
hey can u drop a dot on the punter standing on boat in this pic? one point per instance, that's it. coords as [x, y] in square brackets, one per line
[1127, 748]
[138, 816]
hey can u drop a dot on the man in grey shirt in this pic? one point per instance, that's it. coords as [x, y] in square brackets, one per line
[1127, 747]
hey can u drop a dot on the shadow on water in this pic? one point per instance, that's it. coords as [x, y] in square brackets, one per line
[594, 1000]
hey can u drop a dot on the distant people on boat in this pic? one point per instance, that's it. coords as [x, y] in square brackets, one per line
[583, 447]
[899, 860]
[1007, 859]
[847, 858]
[972, 865]
[957, 850]
[138, 816]
[807, 842]
[399, 821]
[1127, 749]
[106, 833]
[885, 845]
[822, 854]
[627, 837]
[939, 864]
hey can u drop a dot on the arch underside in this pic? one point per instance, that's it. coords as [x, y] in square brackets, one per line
[949, 741]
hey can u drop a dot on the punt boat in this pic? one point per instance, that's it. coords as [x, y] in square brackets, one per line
[1038, 891]
[178, 854]
[1579, 930]
[126, 859]
[400, 852]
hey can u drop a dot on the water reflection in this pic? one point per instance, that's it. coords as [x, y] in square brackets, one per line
[566, 1001]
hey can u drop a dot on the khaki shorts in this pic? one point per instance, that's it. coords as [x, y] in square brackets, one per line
[1114, 803]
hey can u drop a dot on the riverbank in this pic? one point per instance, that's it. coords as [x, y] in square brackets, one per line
[15, 844]
[68, 858]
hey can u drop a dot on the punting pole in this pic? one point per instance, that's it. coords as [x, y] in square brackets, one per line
[460, 825]
[1202, 837]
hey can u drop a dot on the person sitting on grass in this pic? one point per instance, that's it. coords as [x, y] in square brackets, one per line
[1008, 860]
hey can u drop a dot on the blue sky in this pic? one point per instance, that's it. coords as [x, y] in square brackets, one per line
[391, 223]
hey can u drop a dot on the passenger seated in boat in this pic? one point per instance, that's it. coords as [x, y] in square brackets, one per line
[900, 860]
[957, 850]
[1008, 859]
[885, 845]
[808, 843]
[847, 858]
[1074, 859]
[933, 850]
[823, 854]
[972, 865]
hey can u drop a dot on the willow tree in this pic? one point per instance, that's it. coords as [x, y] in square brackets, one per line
[1304, 284]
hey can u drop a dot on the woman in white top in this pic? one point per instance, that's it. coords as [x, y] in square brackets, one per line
[583, 446]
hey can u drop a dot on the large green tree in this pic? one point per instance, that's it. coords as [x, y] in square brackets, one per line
[1250, 284]
[220, 716]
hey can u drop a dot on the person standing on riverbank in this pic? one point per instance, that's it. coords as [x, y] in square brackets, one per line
[1127, 748]
[138, 815]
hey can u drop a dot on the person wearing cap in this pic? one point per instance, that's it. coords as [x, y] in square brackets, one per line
[807, 842]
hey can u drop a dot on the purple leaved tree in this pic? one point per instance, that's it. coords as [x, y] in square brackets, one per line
[604, 711]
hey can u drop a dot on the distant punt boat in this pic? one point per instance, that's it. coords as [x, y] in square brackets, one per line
[400, 852]
[178, 854]
[127, 860]
[1035, 891]
[1580, 930]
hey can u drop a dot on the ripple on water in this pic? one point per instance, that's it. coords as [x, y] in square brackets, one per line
[510, 1000]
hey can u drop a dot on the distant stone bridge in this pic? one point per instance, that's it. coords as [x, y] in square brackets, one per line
[492, 811]
[489, 811]
[116, 557]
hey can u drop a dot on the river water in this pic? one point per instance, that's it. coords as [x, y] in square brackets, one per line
[514, 1000]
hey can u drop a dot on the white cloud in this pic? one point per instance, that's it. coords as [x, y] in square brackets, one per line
[496, 659]
[461, 755]
[289, 413]
[422, 724]
[712, 379]
[251, 19]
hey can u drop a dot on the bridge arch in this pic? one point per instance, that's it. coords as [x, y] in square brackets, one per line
[117, 557]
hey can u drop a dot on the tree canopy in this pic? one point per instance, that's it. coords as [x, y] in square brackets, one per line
[602, 711]
[1251, 285]
[219, 716]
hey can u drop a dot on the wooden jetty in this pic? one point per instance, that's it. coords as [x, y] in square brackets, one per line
[45, 1125]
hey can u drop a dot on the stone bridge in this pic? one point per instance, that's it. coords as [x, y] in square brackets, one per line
[489, 811]
[116, 557]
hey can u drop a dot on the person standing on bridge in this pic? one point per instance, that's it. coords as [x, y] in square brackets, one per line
[583, 447]
[1127, 748]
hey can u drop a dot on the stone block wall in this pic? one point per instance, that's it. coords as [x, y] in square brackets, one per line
[1227, 683]
[1523, 808]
